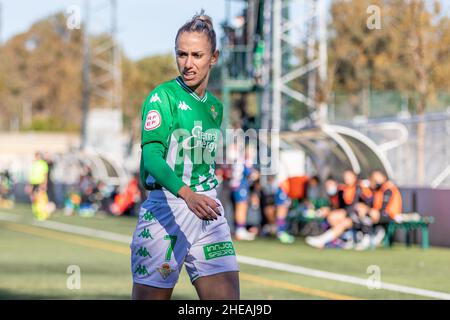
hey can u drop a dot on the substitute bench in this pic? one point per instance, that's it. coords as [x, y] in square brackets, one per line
[409, 225]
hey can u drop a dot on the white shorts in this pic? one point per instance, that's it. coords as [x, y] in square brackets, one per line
[168, 234]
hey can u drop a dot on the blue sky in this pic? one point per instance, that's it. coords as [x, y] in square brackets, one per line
[145, 26]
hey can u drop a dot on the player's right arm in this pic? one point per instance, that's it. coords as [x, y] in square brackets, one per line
[157, 120]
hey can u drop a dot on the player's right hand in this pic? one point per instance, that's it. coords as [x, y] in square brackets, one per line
[203, 206]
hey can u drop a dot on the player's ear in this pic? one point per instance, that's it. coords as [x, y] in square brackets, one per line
[214, 58]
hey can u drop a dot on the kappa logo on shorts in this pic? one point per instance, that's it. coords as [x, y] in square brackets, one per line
[145, 234]
[152, 121]
[143, 252]
[148, 216]
[165, 271]
[141, 270]
[218, 249]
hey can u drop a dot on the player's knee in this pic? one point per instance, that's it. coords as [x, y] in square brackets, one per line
[347, 223]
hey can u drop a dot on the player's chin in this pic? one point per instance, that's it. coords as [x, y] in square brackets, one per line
[190, 81]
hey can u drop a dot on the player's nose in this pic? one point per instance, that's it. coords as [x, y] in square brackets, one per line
[188, 64]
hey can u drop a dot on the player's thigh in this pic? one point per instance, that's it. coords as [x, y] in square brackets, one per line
[144, 292]
[220, 286]
[336, 216]
[160, 244]
[213, 254]
[375, 215]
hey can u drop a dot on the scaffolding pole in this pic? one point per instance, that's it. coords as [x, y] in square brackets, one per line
[315, 67]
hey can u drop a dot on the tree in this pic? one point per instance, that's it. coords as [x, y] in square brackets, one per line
[139, 78]
[409, 54]
[42, 68]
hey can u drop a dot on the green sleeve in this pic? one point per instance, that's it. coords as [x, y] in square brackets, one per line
[154, 163]
[157, 118]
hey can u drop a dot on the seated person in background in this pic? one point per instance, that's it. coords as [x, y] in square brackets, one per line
[384, 206]
[125, 202]
[386, 200]
[290, 188]
[315, 198]
[348, 201]
[267, 198]
[254, 213]
[335, 202]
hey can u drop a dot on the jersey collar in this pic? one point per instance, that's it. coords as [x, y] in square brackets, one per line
[190, 91]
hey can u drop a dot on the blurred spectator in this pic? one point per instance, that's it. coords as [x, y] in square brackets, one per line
[50, 184]
[384, 206]
[254, 217]
[292, 188]
[72, 202]
[41, 207]
[244, 173]
[351, 199]
[6, 190]
[39, 173]
[315, 197]
[87, 184]
[128, 201]
[268, 193]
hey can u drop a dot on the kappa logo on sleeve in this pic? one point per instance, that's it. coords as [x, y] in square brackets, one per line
[152, 121]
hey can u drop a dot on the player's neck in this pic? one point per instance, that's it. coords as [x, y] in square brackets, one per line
[200, 89]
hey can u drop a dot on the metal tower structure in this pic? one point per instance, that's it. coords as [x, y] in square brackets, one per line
[296, 32]
[288, 51]
[102, 78]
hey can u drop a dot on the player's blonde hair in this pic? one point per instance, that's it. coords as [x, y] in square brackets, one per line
[200, 23]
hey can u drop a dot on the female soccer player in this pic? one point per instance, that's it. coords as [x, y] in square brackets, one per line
[182, 221]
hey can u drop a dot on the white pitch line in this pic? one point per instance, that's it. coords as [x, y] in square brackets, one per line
[241, 259]
[9, 217]
[83, 231]
[339, 277]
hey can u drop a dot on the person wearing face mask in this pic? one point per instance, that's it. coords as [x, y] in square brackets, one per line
[386, 202]
[333, 193]
[335, 215]
[385, 205]
[345, 203]
[315, 199]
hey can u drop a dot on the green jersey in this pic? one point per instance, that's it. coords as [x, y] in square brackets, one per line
[189, 129]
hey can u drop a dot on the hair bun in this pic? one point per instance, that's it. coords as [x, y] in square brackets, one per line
[200, 22]
[204, 18]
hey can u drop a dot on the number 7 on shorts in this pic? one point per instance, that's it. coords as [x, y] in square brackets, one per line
[173, 240]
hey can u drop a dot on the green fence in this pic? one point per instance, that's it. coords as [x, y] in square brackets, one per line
[381, 104]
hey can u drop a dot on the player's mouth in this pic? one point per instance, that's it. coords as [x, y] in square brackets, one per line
[189, 75]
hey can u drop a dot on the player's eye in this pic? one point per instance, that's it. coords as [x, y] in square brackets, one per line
[182, 54]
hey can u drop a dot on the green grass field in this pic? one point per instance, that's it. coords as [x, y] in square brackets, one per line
[34, 260]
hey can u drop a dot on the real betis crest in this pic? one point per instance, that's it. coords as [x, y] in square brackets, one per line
[213, 111]
[165, 271]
